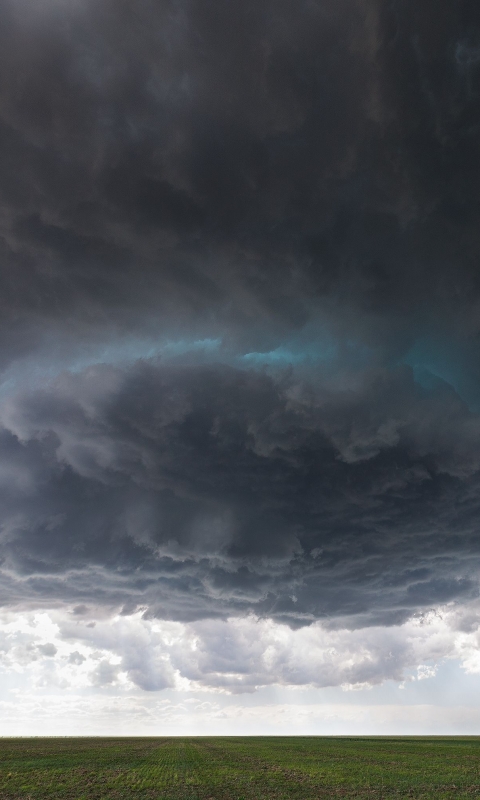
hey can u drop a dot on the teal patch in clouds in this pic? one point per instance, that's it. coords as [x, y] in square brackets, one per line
[437, 362]
[137, 349]
[291, 355]
[32, 372]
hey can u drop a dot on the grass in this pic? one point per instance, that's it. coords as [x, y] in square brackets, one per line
[239, 768]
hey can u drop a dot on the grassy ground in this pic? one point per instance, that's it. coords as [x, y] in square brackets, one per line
[239, 768]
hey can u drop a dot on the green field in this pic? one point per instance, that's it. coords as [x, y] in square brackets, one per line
[235, 768]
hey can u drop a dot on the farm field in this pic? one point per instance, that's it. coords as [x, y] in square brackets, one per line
[253, 768]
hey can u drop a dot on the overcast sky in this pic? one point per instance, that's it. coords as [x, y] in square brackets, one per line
[239, 366]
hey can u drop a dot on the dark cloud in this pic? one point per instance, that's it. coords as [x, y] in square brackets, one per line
[211, 490]
[194, 166]
[258, 187]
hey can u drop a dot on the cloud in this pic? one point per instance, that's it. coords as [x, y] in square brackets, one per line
[233, 656]
[47, 649]
[202, 491]
[76, 658]
[238, 321]
[236, 172]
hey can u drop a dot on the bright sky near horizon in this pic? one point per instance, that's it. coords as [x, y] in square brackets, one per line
[239, 367]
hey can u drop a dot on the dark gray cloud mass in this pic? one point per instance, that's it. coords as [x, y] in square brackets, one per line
[211, 490]
[240, 306]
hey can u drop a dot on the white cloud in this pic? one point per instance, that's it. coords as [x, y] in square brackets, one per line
[235, 656]
[61, 674]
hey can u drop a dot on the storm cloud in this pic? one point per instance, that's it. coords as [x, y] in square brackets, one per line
[212, 490]
[237, 170]
[239, 295]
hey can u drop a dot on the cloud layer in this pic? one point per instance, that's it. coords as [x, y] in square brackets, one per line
[239, 320]
[236, 170]
[64, 652]
[204, 490]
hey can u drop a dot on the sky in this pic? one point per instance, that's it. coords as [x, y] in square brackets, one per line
[239, 367]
